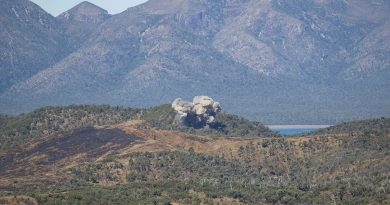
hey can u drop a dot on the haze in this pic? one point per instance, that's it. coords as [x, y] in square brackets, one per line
[57, 7]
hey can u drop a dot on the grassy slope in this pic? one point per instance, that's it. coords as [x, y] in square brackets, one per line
[347, 167]
[47, 121]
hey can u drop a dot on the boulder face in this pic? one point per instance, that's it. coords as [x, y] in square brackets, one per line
[277, 61]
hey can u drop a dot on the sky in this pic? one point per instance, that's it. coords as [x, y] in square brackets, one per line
[56, 7]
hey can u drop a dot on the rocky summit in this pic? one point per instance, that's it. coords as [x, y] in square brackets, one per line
[277, 61]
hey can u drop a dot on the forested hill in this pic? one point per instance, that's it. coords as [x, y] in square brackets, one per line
[97, 154]
[47, 121]
[363, 126]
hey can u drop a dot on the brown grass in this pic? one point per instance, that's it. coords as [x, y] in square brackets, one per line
[18, 200]
[31, 163]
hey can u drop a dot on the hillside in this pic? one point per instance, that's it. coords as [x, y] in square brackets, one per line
[114, 155]
[48, 121]
[30, 41]
[365, 126]
[278, 62]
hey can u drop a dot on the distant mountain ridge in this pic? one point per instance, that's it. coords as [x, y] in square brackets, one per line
[81, 21]
[30, 41]
[275, 61]
[87, 12]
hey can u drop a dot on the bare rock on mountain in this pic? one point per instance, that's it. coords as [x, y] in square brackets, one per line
[371, 55]
[85, 12]
[31, 40]
[81, 21]
[292, 59]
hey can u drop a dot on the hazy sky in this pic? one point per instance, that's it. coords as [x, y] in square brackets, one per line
[56, 7]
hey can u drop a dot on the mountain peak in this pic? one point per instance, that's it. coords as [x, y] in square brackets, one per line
[86, 12]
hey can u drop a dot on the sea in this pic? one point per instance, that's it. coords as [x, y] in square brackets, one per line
[288, 130]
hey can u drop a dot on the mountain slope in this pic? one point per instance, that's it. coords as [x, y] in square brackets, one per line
[33, 40]
[275, 61]
[30, 41]
[82, 20]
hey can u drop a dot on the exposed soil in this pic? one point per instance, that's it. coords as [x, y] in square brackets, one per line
[90, 142]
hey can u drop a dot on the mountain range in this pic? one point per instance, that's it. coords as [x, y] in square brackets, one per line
[277, 61]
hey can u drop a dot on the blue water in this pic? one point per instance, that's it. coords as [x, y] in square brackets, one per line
[293, 131]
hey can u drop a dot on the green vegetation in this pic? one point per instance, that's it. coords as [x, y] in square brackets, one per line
[342, 170]
[48, 121]
[343, 164]
[164, 165]
[53, 120]
[190, 192]
[364, 126]
[163, 117]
